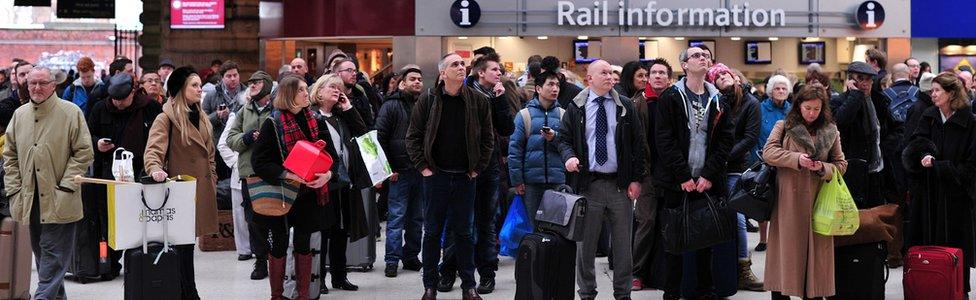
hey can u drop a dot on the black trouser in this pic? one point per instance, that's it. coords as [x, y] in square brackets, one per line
[258, 235]
[188, 279]
[279, 241]
[334, 243]
[675, 262]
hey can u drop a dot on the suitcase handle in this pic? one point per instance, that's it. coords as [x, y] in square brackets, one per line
[145, 225]
[565, 189]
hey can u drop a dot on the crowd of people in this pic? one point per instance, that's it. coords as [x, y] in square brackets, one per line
[634, 140]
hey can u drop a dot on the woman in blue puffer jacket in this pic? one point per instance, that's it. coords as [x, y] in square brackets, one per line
[533, 159]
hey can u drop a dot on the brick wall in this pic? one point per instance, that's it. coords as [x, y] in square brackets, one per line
[29, 44]
[238, 41]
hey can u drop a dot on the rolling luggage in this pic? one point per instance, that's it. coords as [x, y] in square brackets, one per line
[545, 268]
[361, 253]
[860, 272]
[152, 271]
[725, 271]
[933, 272]
[315, 243]
[15, 260]
[92, 256]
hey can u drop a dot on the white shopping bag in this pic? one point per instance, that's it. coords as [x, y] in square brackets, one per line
[122, 165]
[173, 202]
[374, 157]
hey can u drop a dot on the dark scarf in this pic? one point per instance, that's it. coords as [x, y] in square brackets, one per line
[291, 133]
[133, 134]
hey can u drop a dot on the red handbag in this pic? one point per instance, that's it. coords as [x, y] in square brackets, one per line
[307, 159]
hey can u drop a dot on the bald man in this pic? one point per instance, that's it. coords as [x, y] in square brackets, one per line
[693, 140]
[601, 141]
[300, 67]
[902, 95]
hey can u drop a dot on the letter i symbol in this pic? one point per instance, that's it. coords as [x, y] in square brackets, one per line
[870, 13]
[465, 19]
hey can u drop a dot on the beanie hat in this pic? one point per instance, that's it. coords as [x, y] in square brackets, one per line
[925, 82]
[715, 71]
[266, 88]
[177, 79]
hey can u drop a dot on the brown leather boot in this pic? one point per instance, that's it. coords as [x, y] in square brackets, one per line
[276, 275]
[747, 280]
[303, 270]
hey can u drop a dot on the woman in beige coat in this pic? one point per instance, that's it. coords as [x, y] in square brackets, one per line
[805, 148]
[181, 143]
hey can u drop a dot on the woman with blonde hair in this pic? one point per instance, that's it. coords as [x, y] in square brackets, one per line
[183, 132]
[290, 122]
[344, 217]
[941, 158]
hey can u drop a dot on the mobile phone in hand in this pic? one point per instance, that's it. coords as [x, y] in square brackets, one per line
[547, 129]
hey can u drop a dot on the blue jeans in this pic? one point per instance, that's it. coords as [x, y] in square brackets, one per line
[405, 220]
[485, 237]
[448, 194]
[742, 240]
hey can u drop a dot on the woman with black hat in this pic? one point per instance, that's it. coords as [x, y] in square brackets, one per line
[184, 133]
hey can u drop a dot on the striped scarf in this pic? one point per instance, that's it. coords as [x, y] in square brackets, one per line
[291, 133]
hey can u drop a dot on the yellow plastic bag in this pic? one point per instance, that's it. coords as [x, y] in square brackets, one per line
[835, 213]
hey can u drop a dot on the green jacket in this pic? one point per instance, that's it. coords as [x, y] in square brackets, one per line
[248, 119]
[47, 145]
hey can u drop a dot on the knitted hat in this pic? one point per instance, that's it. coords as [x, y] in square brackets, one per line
[925, 82]
[177, 79]
[715, 71]
[266, 88]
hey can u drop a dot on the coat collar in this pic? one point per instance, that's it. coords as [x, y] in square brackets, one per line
[192, 132]
[961, 117]
[580, 99]
[47, 106]
[816, 148]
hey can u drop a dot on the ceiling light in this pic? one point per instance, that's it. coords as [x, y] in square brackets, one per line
[851, 39]
[542, 37]
[773, 38]
[679, 38]
[735, 38]
[642, 38]
[462, 37]
[582, 37]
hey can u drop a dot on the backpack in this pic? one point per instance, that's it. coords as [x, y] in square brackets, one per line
[527, 120]
[901, 102]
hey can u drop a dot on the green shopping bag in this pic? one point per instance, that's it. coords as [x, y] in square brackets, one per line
[835, 213]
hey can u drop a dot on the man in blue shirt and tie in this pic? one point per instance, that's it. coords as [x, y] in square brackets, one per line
[602, 143]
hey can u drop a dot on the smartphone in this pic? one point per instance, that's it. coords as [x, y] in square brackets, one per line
[547, 129]
[107, 140]
[222, 106]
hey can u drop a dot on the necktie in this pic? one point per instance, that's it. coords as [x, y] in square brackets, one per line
[601, 131]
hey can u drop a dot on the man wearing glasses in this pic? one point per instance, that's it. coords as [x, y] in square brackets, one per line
[359, 95]
[152, 86]
[47, 146]
[693, 136]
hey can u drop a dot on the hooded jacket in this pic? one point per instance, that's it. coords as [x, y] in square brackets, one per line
[77, 94]
[674, 139]
[391, 129]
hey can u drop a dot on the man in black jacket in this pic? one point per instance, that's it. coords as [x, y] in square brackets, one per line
[865, 123]
[348, 70]
[450, 140]
[486, 81]
[405, 219]
[601, 140]
[694, 137]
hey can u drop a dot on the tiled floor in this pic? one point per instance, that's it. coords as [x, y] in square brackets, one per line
[221, 276]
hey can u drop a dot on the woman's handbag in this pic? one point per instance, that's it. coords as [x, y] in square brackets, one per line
[269, 199]
[835, 213]
[754, 195]
[698, 224]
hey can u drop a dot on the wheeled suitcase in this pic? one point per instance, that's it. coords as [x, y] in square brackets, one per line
[92, 257]
[860, 272]
[315, 243]
[15, 260]
[545, 268]
[933, 272]
[562, 212]
[153, 271]
[361, 253]
[725, 271]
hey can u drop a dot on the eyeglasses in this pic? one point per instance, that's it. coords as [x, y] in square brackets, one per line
[350, 70]
[152, 81]
[860, 77]
[38, 83]
[698, 55]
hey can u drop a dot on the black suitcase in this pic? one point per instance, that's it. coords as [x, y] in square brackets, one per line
[725, 271]
[152, 271]
[92, 259]
[860, 272]
[545, 268]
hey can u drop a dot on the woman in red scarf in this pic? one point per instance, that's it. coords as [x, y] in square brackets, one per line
[290, 122]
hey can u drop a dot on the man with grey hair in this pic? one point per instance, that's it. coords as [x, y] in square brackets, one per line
[967, 80]
[694, 138]
[601, 140]
[450, 140]
[47, 145]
